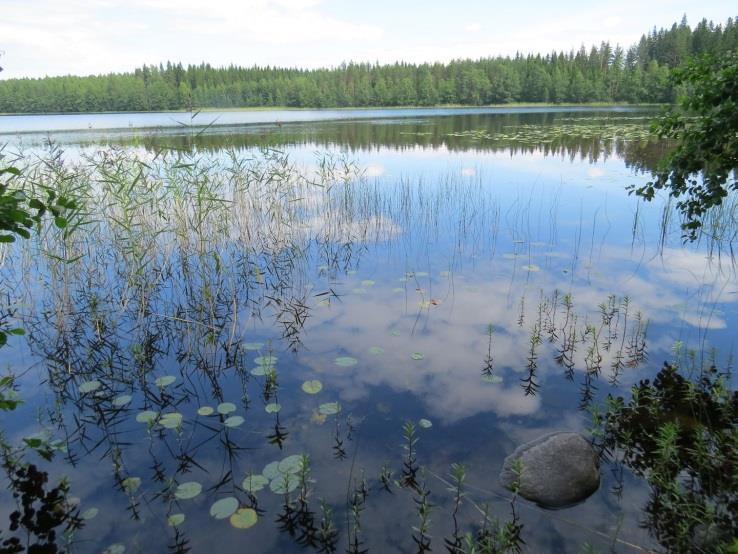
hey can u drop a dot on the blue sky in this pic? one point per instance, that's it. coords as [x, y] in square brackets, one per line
[57, 37]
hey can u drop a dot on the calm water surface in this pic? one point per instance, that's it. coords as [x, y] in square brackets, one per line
[427, 227]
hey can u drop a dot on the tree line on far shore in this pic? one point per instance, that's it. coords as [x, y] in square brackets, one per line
[602, 73]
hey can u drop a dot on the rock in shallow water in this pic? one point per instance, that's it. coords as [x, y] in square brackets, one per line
[558, 470]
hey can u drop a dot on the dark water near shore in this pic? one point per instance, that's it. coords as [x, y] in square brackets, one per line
[372, 256]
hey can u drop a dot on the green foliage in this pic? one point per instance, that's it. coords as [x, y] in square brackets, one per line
[700, 172]
[602, 74]
[681, 435]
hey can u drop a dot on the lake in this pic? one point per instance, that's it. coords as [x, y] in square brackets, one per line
[309, 316]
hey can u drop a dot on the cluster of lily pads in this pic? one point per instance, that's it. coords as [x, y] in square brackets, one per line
[542, 134]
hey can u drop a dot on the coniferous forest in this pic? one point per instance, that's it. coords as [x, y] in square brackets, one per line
[604, 73]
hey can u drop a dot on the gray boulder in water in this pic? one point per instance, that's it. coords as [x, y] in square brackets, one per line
[558, 470]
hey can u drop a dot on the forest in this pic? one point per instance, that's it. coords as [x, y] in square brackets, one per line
[604, 73]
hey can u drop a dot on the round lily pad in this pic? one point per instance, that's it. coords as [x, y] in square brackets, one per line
[171, 420]
[417, 356]
[223, 508]
[272, 408]
[367, 283]
[234, 421]
[131, 484]
[226, 408]
[494, 379]
[266, 360]
[244, 518]
[286, 482]
[253, 345]
[346, 361]
[147, 416]
[254, 483]
[89, 514]
[376, 350]
[329, 408]
[165, 380]
[312, 387]
[187, 490]
[260, 370]
[291, 464]
[122, 400]
[425, 423]
[205, 411]
[175, 519]
[89, 386]
[271, 470]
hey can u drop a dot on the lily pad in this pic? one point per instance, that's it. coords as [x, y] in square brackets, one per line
[234, 421]
[131, 484]
[531, 267]
[425, 423]
[346, 361]
[223, 508]
[260, 370]
[171, 420]
[188, 490]
[147, 416]
[329, 408]
[494, 379]
[417, 356]
[122, 400]
[89, 514]
[272, 408]
[367, 283]
[89, 386]
[271, 470]
[226, 408]
[266, 360]
[376, 350]
[291, 464]
[312, 387]
[175, 519]
[244, 518]
[254, 483]
[287, 482]
[253, 345]
[164, 380]
[205, 411]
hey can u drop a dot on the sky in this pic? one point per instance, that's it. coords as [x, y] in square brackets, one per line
[81, 37]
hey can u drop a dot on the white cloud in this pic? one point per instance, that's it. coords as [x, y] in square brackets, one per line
[473, 28]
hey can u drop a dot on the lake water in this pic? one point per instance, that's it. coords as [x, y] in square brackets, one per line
[320, 278]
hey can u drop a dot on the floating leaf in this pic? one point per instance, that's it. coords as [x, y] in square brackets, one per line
[223, 508]
[346, 361]
[89, 514]
[205, 411]
[417, 356]
[376, 350]
[271, 470]
[175, 519]
[226, 408]
[131, 484]
[188, 490]
[494, 379]
[253, 483]
[395, 333]
[89, 386]
[260, 370]
[234, 421]
[244, 518]
[122, 400]
[171, 420]
[312, 387]
[272, 408]
[425, 423]
[317, 418]
[165, 380]
[329, 408]
[367, 283]
[147, 416]
[531, 267]
[285, 483]
[291, 464]
[253, 345]
[266, 360]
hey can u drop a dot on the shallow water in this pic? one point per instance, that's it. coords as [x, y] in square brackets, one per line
[382, 284]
